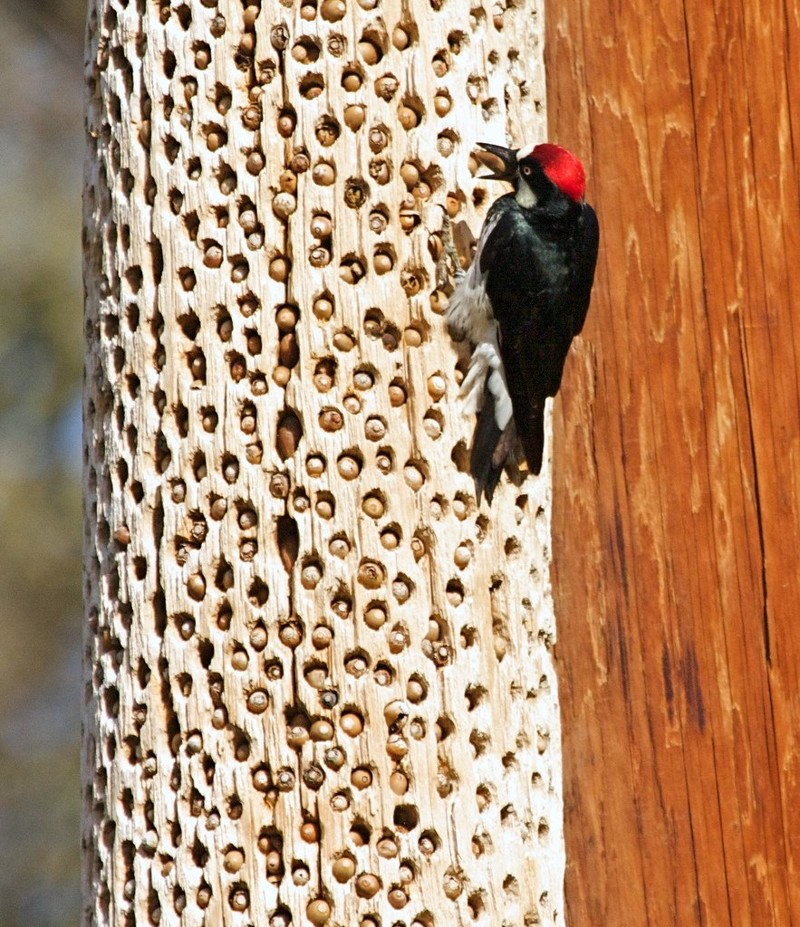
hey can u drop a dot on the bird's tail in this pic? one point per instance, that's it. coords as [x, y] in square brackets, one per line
[493, 449]
[483, 468]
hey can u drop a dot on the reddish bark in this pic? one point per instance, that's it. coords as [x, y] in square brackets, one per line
[677, 466]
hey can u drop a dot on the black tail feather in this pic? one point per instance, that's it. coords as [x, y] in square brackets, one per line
[485, 464]
[493, 449]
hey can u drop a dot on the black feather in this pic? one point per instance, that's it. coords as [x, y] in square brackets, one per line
[486, 438]
[539, 263]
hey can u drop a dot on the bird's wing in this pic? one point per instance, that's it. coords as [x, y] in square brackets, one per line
[497, 233]
[469, 314]
[585, 265]
[535, 327]
[532, 367]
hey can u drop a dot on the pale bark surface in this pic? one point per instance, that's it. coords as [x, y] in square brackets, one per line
[319, 678]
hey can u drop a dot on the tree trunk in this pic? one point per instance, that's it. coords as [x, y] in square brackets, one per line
[677, 506]
[319, 679]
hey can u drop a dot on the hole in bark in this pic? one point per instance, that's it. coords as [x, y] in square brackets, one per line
[306, 50]
[311, 86]
[460, 456]
[288, 541]
[406, 817]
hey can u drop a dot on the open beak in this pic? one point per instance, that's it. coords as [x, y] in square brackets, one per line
[501, 162]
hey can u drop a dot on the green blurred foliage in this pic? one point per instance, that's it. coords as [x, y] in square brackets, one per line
[41, 153]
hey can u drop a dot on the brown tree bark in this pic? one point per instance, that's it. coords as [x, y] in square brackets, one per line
[677, 466]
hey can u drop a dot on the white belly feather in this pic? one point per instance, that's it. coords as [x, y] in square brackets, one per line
[470, 315]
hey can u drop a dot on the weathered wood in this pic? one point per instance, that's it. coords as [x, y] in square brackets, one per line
[319, 678]
[677, 489]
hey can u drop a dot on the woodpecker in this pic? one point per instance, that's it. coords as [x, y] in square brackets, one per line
[522, 301]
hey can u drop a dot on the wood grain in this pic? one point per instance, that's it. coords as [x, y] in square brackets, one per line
[677, 466]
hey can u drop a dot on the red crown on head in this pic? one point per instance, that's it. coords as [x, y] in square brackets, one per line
[560, 166]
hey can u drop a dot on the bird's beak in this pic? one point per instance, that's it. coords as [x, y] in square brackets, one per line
[500, 161]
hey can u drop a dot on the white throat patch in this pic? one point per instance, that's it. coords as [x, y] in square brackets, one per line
[525, 196]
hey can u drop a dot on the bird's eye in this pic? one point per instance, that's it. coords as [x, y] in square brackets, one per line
[527, 171]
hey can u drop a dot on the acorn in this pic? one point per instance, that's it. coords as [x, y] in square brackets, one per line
[354, 116]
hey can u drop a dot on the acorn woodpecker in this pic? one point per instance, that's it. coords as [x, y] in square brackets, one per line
[522, 301]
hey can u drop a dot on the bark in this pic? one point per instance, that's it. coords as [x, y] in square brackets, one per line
[677, 500]
[319, 680]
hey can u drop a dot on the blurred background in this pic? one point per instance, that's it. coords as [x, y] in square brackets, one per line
[41, 152]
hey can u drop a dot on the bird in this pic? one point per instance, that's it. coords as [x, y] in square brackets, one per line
[522, 301]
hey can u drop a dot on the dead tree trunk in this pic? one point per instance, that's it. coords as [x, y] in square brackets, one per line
[319, 684]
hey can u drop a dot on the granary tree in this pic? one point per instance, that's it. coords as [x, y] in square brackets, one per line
[319, 676]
